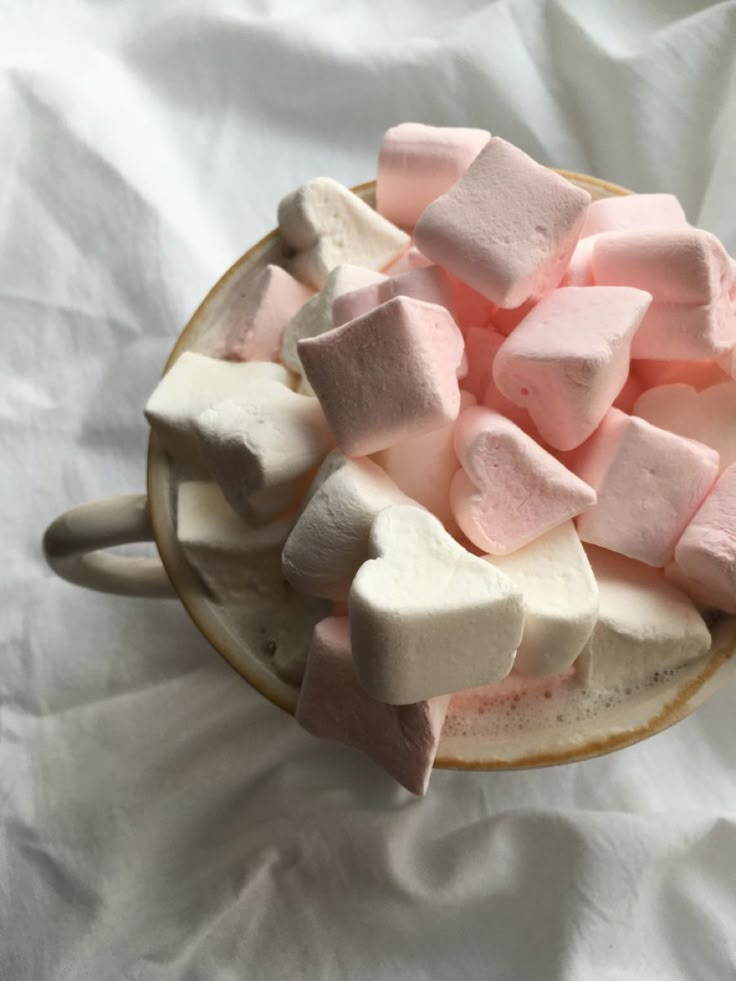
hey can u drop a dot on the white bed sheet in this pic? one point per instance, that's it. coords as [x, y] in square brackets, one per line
[159, 819]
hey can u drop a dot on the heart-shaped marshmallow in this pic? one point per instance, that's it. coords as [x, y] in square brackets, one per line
[708, 416]
[427, 617]
[510, 490]
[328, 225]
[569, 358]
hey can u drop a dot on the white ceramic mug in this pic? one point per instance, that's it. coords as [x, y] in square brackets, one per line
[521, 728]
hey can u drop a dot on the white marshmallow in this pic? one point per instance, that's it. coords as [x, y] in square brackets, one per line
[329, 542]
[315, 317]
[645, 625]
[708, 416]
[560, 599]
[195, 383]
[426, 616]
[266, 437]
[328, 225]
[233, 558]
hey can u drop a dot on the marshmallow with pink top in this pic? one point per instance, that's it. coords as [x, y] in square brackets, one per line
[649, 483]
[333, 704]
[569, 358]
[691, 279]
[708, 416]
[327, 226]
[630, 212]
[418, 163]
[423, 467]
[255, 324]
[388, 376]
[507, 228]
[510, 490]
[430, 285]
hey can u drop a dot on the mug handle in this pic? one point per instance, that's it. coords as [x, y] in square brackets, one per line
[73, 546]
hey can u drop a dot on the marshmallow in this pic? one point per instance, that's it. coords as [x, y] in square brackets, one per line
[630, 212]
[560, 600]
[256, 319]
[387, 376]
[430, 285]
[510, 490]
[688, 273]
[699, 374]
[329, 542]
[328, 226]
[470, 308]
[417, 163]
[706, 553]
[649, 483]
[708, 416]
[315, 317]
[332, 704]
[507, 228]
[266, 437]
[569, 359]
[423, 468]
[481, 347]
[427, 617]
[645, 625]
[233, 558]
[194, 383]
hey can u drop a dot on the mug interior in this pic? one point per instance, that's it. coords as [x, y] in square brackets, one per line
[516, 725]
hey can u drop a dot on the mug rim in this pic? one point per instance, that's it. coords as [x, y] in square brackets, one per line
[688, 697]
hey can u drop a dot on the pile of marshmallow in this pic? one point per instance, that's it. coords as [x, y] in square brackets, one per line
[490, 424]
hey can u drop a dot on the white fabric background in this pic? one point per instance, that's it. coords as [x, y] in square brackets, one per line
[159, 819]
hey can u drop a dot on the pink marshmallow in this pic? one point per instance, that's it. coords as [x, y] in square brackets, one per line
[423, 467]
[258, 316]
[633, 211]
[507, 228]
[332, 704]
[569, 359]
[418, 163]
[388, 376]
[649, 483]
[708, 416]
[689, 274]
[510, 490]
[430, 285]
[706, 553]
